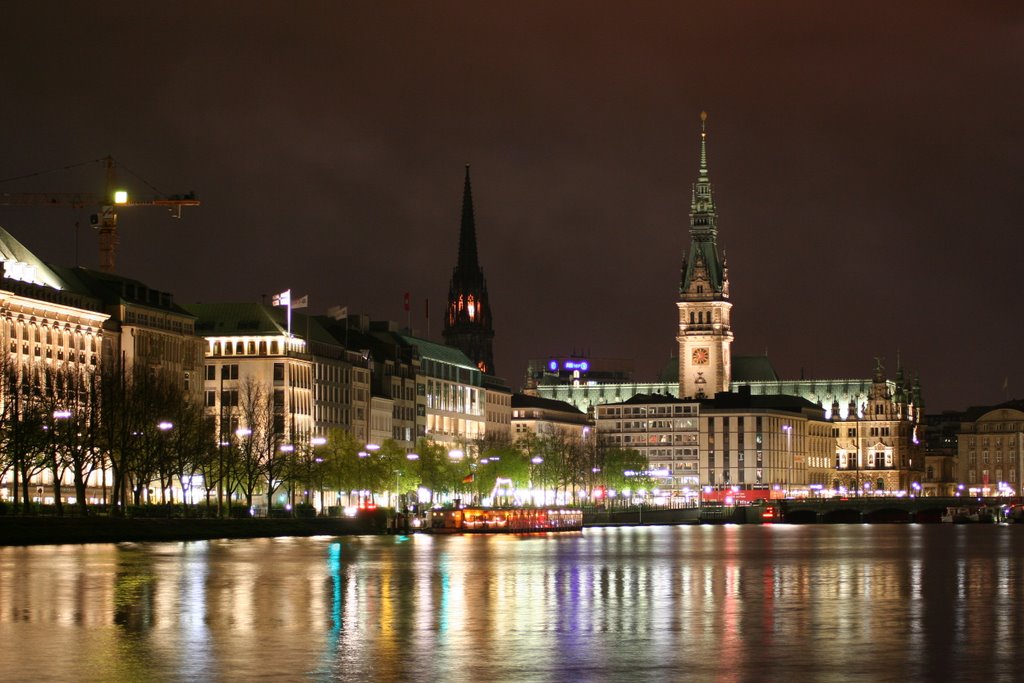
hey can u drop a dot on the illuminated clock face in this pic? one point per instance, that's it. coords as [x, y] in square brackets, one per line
[700, 356]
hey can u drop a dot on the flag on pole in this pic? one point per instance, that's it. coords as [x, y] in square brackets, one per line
[468, 479]
[283, 299]
[337, 312]
[301, 303]
[406, 302]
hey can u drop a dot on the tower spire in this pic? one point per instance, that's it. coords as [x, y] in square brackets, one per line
[468, 263]
[703, 144]
[703, 255]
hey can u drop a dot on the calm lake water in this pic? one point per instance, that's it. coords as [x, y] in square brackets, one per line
[701, 603]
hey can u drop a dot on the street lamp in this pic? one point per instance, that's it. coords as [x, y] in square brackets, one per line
[535, 460]
[789, 459]
[58, 504]
[369, 448]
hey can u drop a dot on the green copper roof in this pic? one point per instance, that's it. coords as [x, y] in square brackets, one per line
[216, 320]
[703, 255]
[439, 352]
[753, 369]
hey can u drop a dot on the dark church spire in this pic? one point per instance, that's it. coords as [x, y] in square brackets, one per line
[467, 324]
[467, 235]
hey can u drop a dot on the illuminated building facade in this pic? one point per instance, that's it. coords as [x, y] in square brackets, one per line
[878, 448]
[498, 411]
[146, 329]
[53, 341]
[535, 416]
[990, 450]
[453, 388]
[251, 358]
[663, 428]
[774, 443]
[467, 323]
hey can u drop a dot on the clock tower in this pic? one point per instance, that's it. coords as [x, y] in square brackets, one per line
[705, 313]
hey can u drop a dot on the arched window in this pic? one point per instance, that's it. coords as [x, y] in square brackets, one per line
[691, 317]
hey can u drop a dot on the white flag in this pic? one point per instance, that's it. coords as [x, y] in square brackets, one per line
[283, 299]
[301, 303]
[338, 312]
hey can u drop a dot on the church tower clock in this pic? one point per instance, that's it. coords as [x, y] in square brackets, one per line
[705, 325]
[467, 323]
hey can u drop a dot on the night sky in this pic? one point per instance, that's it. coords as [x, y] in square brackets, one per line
[867, 163]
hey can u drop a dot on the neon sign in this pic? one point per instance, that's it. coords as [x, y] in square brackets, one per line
[581, 365]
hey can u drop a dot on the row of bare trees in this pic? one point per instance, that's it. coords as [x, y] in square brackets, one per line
[142, 437]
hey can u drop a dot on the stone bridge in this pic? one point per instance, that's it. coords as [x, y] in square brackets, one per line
[877, 509]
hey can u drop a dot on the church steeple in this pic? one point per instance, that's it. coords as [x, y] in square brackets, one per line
[705, 313]
[703, 262]
[467, 234]
[467, 325]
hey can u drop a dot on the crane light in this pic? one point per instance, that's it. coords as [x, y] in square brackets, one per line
[120, 197]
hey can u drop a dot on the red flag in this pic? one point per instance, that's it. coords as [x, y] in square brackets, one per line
[468, 479]
[406, 301]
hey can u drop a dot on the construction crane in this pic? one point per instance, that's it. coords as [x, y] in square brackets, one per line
[108, 203]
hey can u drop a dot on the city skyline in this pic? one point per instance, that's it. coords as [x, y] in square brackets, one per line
[863, 167]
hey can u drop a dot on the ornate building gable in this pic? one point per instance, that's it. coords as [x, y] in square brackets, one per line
[468, 323]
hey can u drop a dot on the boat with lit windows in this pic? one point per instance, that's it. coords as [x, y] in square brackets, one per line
[484, 520]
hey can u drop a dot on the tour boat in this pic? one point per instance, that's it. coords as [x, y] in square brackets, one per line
[968, 515]
[503, 520]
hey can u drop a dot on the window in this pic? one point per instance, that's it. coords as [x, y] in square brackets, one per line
[278, 372]
[211, 399]
[229, 371]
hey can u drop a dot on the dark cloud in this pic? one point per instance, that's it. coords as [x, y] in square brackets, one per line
[865, 160]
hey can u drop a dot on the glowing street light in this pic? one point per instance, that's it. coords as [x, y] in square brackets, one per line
[789, 459]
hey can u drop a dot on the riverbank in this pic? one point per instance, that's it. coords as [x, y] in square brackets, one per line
[16, 530]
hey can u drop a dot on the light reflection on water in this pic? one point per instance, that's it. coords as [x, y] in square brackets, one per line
[715, 603]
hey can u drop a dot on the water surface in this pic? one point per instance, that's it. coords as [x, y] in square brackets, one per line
[702, 603]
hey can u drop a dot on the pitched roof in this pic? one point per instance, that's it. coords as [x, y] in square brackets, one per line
[528, 401]
[114, 289]
[743, 400]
